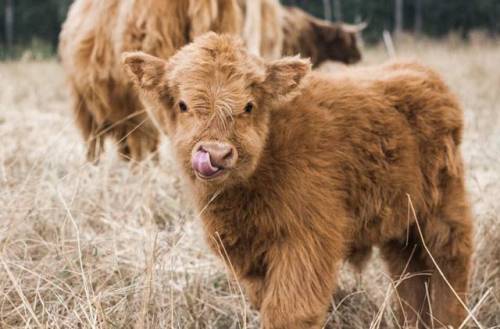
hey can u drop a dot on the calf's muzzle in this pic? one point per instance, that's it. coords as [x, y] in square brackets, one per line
[210, 159]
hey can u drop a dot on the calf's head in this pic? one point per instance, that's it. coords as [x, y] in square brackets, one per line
[214, 101]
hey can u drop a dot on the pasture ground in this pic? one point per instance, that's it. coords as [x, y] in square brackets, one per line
[111, 246]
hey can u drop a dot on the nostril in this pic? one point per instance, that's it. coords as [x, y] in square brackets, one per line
[228, 155]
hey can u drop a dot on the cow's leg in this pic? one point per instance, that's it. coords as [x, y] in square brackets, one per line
[142, 139]
[89, 127]
[136, 139]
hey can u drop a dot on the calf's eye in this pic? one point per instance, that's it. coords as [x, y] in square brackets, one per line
[249, 107]
[183, 107]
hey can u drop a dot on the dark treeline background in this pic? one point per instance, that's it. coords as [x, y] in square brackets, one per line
[30, 24]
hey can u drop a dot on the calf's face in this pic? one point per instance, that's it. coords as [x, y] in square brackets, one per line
[214, 101]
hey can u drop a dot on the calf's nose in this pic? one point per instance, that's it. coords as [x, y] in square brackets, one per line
[222, 155]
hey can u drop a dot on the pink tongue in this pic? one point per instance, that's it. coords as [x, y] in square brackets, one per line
[201, 163]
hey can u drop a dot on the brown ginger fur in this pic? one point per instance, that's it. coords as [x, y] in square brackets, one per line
[318, 39]
[325, 168]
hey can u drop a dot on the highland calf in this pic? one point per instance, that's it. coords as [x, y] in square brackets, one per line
[296, 171]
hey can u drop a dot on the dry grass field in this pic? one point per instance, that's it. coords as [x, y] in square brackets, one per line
[117, 246]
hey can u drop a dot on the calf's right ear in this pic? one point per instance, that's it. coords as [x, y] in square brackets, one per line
[283, 76]
[146, 71]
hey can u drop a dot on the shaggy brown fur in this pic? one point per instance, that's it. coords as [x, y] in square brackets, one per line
[263, 30]
[318, 39]
[300, 171]
[295, 171]
[272, 29]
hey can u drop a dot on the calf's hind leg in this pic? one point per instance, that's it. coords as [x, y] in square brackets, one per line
[449, 237]
[412, 277]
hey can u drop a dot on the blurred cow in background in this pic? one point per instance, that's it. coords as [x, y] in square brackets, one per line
[96, 33]
[286, 31]
[320, 40]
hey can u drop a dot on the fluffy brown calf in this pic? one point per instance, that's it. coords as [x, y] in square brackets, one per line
[296, 171]
[318, 39]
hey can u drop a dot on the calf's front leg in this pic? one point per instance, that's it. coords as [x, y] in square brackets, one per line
[298, 286]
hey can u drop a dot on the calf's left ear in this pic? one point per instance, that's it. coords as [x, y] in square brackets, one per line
[146, 71]
[283, 76]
